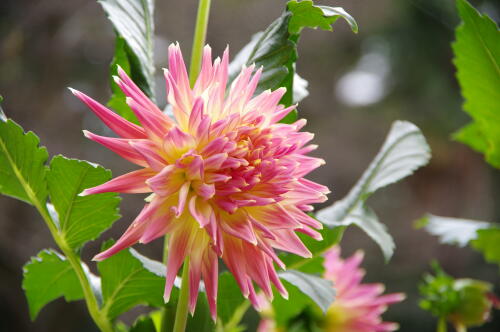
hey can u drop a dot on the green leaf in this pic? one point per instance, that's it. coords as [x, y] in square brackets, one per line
[487, 243]
[331, 236]
[404, 150]
[471, 135]
[306, 14]
[80, 219]
[319, 290]
[229, 297]
[47, 277]
[477, 58]
[275, 49]
[133, 21]
[22, 164]
[126, 283]
[452, 230]
[201, 321]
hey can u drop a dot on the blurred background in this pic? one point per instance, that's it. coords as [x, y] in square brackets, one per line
[399, 66]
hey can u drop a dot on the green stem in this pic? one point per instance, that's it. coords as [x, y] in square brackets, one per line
[97, 315]
[200, 33]
[166, 315]
[237, 317]
[182, 304]
[441, 326]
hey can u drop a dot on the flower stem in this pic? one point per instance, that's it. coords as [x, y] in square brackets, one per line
[200, 33]
[182, 304]
[441, 326]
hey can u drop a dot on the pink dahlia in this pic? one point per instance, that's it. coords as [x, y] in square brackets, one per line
[227, 179]
[358, 307]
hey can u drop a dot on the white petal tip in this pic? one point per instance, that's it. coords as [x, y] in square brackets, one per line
[84, 193]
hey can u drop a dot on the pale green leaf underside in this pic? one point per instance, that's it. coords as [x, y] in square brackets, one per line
[452, 230]
[477, 58]
[22, 169]
[403, 151]
[320, 290]
[47, 277]
[80, 219]
[133, 20]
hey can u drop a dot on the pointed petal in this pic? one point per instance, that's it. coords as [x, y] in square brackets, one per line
[130, 183]
[177, 250]
[115, 122]
[119, 146]
[154, 124]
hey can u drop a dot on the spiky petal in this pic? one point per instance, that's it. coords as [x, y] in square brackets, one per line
[357, 307]
[226, 177]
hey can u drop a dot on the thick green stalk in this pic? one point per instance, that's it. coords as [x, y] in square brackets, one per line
[167, 312]
[200, 34]
[182, 304]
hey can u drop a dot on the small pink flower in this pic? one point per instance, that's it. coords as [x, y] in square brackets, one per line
[227, 179]
[358, 307]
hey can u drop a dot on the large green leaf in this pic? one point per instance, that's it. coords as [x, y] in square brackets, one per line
[275, 49]
[201, 321]
[229, 297]
[404, 150]
[477, 58]
[47, 277]
[487, 242]
[321, 291]
[80, 219]
[22, 164]
[126, 283]
[133, 21]
[452, 230]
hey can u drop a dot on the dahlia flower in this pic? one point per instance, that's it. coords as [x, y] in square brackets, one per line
[357, 307]
[227, 179]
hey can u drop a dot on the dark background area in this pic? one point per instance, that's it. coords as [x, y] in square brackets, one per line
[399, 66]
